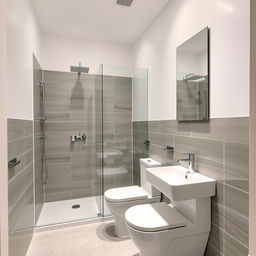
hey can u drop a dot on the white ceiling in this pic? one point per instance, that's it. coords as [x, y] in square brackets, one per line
[97, 19]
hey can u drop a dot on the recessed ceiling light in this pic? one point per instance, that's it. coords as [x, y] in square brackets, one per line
[124, 2]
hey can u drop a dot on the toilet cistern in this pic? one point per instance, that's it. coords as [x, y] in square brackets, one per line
[191, 160]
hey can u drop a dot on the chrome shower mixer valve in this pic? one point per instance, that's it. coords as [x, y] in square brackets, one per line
[80, 136]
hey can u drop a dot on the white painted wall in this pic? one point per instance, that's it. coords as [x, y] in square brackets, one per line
[3, 136]
[58, 53]
[229, 22]
[23, 39]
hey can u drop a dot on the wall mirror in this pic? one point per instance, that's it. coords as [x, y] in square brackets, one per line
[193, 78]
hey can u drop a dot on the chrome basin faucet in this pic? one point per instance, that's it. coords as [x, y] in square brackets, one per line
[191, 160]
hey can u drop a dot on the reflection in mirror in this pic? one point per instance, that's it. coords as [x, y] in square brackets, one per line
[193, 78]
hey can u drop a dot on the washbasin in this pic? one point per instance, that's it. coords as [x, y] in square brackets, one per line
[174, 183]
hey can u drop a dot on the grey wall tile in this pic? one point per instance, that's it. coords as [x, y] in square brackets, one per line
[236, 214]
[25, 159]
[52, 197]
[221, 148]
[57, 137]
[18, 128]
[153, 126]
[20, 200]
[83, 115]
[237, 165]
[121, 127]
[174, 127]
[74, 106]
[201, 147]
[140, 150]
[123, 117]
[123, 108]
[140, 135]
[211, 251]
[83, 159]
[58, 116]
[58, 167]
[109, 100]
[57, 147]
[61, 77]
[226, 129]
[158, 153]
[122, 98]
[217, 206]
[216, 239]
[233, 247]
[107, 107]
[18, 186]
[67, 126]
[56, 107]
[211, 168]
[18, 146]
[122, 82]
[161, 139]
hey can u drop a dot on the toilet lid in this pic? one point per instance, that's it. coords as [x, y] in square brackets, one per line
[125, 194]
[154, 217]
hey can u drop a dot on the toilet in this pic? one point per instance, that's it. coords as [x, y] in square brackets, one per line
[178, 229]
[118, 200]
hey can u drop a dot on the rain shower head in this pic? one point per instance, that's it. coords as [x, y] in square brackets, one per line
[79, 69]
[127, 3]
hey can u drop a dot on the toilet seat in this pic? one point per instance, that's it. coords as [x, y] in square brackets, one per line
[125, 194]
[154, 217]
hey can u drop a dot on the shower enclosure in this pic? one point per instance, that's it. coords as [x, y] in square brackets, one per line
[86, 139]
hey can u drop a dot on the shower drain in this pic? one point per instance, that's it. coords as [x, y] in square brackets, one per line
[75, 206]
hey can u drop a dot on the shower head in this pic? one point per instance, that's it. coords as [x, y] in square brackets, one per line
[79, 69]
[127, 3]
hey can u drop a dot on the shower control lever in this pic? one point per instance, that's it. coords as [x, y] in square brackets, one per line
[13, 162]
[80, 136]
[169, 149]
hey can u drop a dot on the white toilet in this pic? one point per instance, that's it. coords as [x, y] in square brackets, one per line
[118, 200]
[178, 229]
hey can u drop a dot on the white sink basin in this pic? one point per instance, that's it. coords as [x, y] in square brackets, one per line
[172, 181]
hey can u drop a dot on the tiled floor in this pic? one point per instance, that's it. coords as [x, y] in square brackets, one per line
[95, 239]
[62, 211]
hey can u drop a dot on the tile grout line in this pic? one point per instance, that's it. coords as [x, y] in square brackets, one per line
[19, 138]
[25, 152]
[20, 197]
[22, 171]
[243, 191]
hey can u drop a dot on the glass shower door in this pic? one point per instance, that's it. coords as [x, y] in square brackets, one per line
[73, 137]
[124, 94]
[98, 122]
